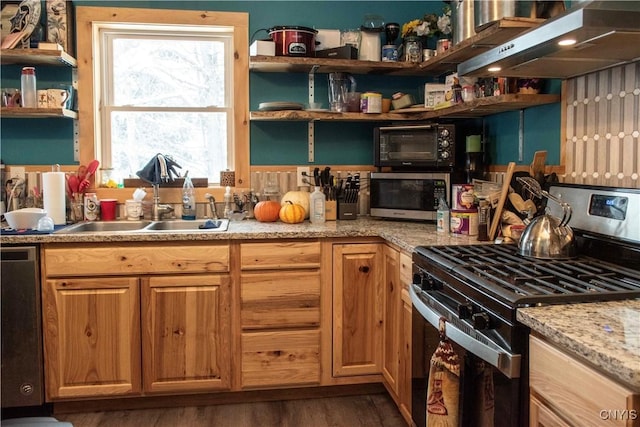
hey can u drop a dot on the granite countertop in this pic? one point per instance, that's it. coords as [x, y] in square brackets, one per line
[406, 235]
[608, 335]
[605, 334]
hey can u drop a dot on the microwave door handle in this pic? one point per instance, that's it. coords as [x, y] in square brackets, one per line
[406, 127]
[508, 364]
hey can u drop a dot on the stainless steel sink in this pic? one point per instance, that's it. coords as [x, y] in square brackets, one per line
[167, 226]
[205, 226]
[104, 226]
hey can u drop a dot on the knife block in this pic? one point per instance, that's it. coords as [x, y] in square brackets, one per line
[347, 210]
[330, 210]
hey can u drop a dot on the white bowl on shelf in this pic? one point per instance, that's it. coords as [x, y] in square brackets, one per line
[23, 219]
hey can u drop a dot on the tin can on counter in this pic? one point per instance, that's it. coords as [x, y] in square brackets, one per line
[91, 207]
[389, 53]
[462, 196]
[371, 102]
[464, 222]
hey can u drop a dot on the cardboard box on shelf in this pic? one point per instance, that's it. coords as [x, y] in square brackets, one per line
[434, 94]
[262, 47]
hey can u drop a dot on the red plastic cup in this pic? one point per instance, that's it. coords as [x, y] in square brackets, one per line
[108, 209]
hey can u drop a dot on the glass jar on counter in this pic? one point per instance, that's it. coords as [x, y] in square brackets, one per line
[107, 178]
[412, 49]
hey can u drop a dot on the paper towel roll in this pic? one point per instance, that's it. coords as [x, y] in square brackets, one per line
[53, 195]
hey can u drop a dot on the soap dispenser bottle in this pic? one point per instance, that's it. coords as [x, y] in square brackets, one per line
[188, 199]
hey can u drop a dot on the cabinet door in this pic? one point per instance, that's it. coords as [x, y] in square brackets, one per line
[91, 337]
[391, 318]
[357, 309]
[404, 376]
[186, 333]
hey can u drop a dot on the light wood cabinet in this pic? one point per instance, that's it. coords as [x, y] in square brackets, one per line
[91, 337]
[280, 315]
[186, 333]
[396, 363]
[280, 358]
[404, 377]
[391, 319]
[357, 309]
[567, 392]
[96, 344]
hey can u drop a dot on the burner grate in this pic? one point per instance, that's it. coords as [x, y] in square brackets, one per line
[499, 271]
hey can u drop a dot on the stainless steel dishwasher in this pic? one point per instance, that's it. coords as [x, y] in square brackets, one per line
[22, 364]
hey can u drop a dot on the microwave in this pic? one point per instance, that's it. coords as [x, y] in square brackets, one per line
[407, 195]
[420, 145]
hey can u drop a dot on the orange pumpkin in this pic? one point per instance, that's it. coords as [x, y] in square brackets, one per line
[297, 198]
[292, 213]
[267, 211]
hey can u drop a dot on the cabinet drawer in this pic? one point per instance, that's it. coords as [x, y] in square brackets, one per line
[280, 255]
[280, 358]
[122, 258]
[280, 299]
[574, 389]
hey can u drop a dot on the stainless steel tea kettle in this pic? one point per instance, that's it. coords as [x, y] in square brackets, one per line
[546, 236]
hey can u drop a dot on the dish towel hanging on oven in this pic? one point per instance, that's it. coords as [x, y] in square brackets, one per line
[484, 393]
[443, 391]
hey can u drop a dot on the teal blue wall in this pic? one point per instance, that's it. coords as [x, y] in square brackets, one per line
[48, 141]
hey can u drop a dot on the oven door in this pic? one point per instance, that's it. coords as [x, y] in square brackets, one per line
[407, 195]
[491, 392]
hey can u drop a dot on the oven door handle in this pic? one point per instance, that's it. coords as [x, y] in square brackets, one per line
[505, 362]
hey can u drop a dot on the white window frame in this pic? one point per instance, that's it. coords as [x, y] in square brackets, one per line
[89, 18]
[108, 32]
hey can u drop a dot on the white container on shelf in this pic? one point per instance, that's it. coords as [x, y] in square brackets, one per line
[28, 88]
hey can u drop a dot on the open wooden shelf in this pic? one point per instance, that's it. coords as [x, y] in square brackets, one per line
[477, 108]
[37, 57]
[35, 113]
[495, 34]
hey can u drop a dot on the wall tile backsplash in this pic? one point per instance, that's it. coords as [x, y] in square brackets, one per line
[602, 130]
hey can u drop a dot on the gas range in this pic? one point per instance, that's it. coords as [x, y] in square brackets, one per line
[478, 288]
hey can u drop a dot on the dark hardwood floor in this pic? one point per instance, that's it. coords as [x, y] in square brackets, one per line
[371, 410]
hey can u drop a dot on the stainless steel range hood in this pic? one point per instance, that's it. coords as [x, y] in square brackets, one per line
[607, 33]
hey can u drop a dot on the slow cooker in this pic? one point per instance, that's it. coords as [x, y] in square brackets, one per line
[294, 40]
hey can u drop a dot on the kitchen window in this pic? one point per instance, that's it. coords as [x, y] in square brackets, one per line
[164, 81]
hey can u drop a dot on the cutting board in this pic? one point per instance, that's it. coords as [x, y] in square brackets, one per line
[503, 198]
[538, 163]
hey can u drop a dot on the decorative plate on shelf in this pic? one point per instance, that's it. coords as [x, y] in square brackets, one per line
[26, 18]
[275, 106]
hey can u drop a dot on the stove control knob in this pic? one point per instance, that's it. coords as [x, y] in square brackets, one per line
[480, 320]
[417, 279]
[465, 311]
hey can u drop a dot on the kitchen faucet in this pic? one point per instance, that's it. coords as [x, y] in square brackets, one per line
[159, 210]
[212, 205]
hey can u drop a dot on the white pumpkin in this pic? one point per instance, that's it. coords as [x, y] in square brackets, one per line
[299, 198]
